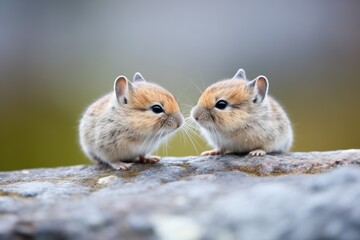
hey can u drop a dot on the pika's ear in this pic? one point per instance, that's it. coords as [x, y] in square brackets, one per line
[240, 74]
[122, 86]
[138, 78]
[260, 86]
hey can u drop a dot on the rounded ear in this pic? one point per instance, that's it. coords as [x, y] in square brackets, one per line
[260, 86]
[240, 74]
[138, 78]
[122, 86]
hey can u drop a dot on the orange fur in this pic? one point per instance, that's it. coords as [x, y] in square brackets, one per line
[234, 91]
[145, 94]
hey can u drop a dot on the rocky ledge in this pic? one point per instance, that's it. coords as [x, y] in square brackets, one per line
[303, 196]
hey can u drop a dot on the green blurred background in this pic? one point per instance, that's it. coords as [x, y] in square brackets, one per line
[56, 57]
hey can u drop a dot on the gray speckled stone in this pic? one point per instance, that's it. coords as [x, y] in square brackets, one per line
[289, 196]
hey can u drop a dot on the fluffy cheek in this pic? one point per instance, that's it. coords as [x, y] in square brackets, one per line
[148, 123]
[230, 120]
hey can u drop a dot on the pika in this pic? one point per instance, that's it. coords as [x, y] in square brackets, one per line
[237, 115]
[126, 125]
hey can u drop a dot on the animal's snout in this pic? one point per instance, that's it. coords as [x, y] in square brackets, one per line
[200, 114]
[179, 121]
[195, 113]
[203, 117]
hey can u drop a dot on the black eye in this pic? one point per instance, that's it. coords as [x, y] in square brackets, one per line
[221, 104]
[157, 109]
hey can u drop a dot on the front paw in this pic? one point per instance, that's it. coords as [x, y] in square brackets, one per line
[257, 153]
[121, 166]
[212, 153]
[150, 159]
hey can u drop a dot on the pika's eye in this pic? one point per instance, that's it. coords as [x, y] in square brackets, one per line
[221, 104]
[157, 109]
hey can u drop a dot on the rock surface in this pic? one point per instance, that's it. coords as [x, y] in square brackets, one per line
[229, 197]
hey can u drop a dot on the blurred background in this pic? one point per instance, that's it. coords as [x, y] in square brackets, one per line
[56, 57]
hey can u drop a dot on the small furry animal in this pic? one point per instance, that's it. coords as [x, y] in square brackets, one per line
[237, 115]
[129, 123]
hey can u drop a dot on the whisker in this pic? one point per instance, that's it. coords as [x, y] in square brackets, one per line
[218, 137]
[143, 144]
[194, 136]
[185, 90]
[195, 86]
[158, 149]
[202, 80]
[163, 145]
[158, 133]
[193, 141]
